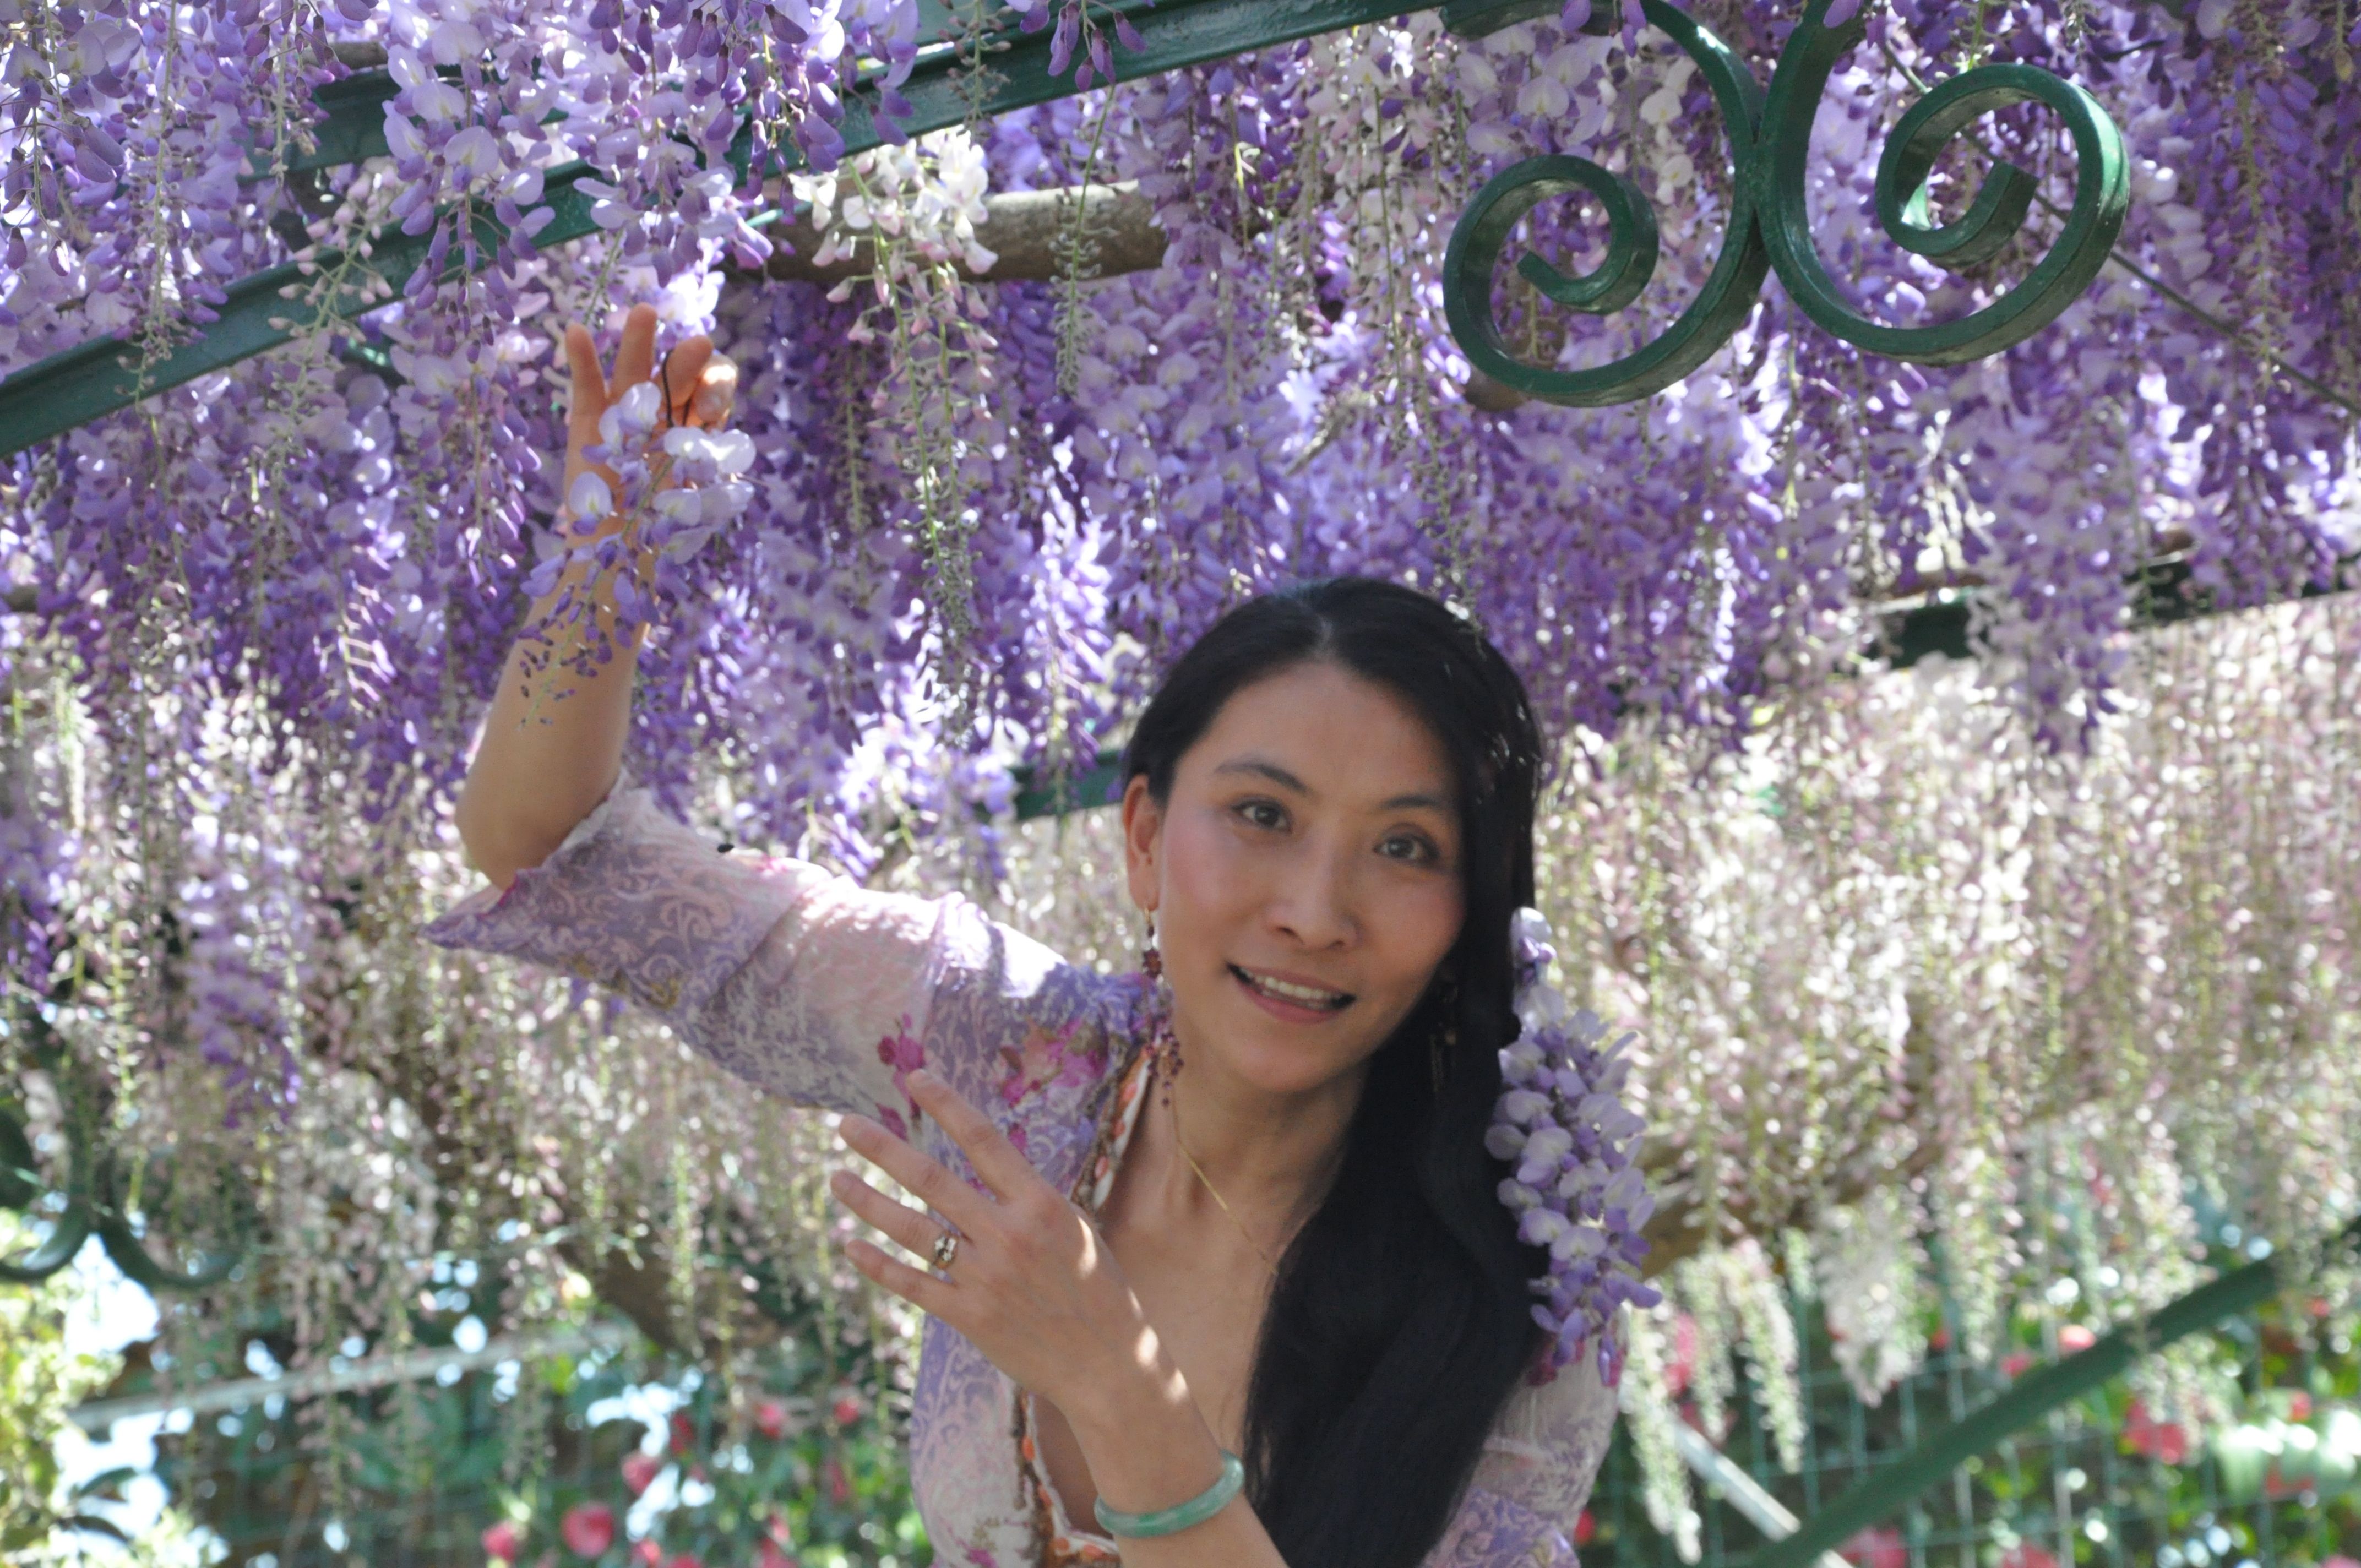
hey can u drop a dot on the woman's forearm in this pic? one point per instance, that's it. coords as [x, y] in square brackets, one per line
[553, 740]
[1148, 1448]
[553, 743]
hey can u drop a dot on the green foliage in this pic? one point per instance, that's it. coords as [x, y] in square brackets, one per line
[793, 1457]
[41, 1380]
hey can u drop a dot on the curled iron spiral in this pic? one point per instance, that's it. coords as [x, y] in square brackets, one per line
[1769, 229]
[99, 1196]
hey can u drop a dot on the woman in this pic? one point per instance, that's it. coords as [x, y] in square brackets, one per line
[1234, 1283]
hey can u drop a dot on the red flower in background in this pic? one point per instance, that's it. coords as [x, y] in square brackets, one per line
[1585, 1526]
[648, 1555]
[847, 1410]
[1881, 1546]
[640, 1469]
[771, 1418]
[684, 1433]
[1680, 1365]
[2163, 1441]
[588, 1528]
[684, 1560]
[504, 1542]
[840, 1486]
[2025, 1554]
[2014, 1364]
[2074, 1337]
[772, 1557]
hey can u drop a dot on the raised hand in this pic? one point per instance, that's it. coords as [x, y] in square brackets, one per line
[697, 387]
[1031, 1282]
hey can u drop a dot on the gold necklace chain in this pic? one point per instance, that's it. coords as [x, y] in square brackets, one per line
[1207, 1182]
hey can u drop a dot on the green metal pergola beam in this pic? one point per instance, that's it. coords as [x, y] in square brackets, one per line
[1768, 134]
[98, 378]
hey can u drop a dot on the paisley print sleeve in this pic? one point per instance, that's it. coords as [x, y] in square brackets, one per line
[799, 981]
[1521, 1508]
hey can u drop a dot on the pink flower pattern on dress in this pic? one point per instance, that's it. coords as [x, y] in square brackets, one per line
[1049, 1058]
[901, 1051]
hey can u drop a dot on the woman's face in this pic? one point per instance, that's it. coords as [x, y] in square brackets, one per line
[1305, 875]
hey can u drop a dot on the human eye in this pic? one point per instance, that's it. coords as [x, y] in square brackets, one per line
[1413, 848]
[1261, 813]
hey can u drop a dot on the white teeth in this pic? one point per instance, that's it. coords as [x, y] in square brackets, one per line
[1309, 995]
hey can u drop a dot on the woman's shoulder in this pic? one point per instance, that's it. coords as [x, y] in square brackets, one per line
[1535, 1476]
[1037, 1040]
[1550, 1436]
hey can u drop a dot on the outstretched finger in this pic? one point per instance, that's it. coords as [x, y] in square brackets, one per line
[587, 398]
[926, 1178]
[899, 1220]
[916, 1286]
[683, 367]
[987, 1148]
[635, 360]
[717, 394]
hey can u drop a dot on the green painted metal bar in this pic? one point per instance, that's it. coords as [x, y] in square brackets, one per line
[96, 378]
[1720, 307]
[91, 1201]
[2164, 593]
[1769, 137]
[351, 125]
[1054, 797]
[100, 377]
[2029, 1399]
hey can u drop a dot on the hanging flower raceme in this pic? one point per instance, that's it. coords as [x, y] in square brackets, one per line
[1563, 1127]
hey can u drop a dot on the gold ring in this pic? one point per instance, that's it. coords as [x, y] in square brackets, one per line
[946, 1250]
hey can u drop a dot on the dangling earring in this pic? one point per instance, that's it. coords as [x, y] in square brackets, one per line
[1163, 1045]
[1444, 1044]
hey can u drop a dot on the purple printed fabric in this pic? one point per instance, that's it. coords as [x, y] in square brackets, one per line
[825, 994]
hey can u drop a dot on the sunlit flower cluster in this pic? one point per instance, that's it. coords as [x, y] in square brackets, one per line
[1569, 1139]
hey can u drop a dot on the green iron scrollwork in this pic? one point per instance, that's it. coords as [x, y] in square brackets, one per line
[101, 1197]
[1690, 341]
[93, 1203]
[1769, 229]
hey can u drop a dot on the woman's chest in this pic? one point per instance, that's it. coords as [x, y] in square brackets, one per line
[1209, 1318]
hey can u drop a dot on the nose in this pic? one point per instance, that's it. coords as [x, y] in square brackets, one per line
[1314, 902]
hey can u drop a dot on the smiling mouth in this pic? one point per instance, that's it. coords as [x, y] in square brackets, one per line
[1288, 992]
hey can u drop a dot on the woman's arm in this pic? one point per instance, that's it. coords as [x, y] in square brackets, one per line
[550, 752]
[1035, 1287]
[1148, 1448]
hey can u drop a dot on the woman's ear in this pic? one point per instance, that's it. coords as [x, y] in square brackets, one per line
[1143, 843]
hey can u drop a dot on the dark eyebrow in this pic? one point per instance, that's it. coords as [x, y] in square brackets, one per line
[1270, 771]
[1285, 779]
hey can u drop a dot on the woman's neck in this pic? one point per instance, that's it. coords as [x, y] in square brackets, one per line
[1267, 1157]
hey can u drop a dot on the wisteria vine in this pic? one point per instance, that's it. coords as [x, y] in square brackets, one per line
[250, 623]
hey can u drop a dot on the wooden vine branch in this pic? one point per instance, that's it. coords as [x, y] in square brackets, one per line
[1118, 231]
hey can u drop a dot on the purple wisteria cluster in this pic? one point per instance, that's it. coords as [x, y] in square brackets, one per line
[334, 542]
[1563, 1127]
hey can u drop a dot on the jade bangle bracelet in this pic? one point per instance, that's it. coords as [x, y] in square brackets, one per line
[1180, 1516]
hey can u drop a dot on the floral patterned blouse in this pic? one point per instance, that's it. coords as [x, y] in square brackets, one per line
[825, 994]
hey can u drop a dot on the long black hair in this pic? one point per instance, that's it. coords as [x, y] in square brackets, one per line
[1401, 1321]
